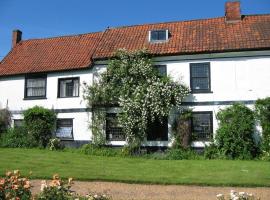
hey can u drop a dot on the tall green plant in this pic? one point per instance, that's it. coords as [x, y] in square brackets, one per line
[40, 123]
[262, 108]
[132, 83]
[234, 136]
[5, 119]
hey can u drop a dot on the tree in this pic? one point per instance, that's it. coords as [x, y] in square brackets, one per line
[143, 94]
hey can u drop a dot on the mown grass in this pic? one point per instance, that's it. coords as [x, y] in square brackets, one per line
[44, 163]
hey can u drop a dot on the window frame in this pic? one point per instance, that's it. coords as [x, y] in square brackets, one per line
[107, 128]
[65, 138]
[35, 76]
[68, 78]
[211, 124]
[157, 30]
[191, 78]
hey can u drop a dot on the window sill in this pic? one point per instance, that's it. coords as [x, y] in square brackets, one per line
[34, 98]
[66, 139]
[202, 92]
[67, 97]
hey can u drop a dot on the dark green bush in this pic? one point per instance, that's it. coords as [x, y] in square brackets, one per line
[5, 119]
[17, 137]
[211, 152]
[40, 123]
[181, 154]
[262, 109]
[234, 137]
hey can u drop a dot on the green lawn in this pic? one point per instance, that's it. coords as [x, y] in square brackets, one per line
[44, 163]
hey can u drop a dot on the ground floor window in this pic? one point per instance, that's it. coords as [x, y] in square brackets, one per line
[114, 131]
[64, 129]
[18, 123]
[158, 130]
[202, 126]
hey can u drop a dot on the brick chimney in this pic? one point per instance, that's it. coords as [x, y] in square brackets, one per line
[232, 11]
[16, 37]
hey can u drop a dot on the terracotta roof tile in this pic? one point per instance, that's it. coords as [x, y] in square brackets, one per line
[186, 37]
[51, 54]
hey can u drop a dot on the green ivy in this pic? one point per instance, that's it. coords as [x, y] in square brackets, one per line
[144, 95]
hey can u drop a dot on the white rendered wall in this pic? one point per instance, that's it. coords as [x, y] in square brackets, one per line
[234, 77]
[12, 95]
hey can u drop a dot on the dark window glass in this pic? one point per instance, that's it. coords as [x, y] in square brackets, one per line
[35, 86]
[202, 126]
[18, 123]
[200, 77]
[68, 87]
[114, 132]
[158, 35]
[64, 128]
[162, 69]
[158, 131]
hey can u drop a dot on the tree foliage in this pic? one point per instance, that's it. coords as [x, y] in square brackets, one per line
[144, 95]
[5, 119]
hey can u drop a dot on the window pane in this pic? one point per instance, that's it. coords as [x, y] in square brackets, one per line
[64, 128]
[200, 84]
[114, 132]
[158, 131]
[157, 35]
[69, 87]
[200, 71]
[162, 69]
[36, 87]
[200, 76]
[202, 126]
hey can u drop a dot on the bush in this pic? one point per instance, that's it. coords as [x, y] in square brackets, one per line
[40, 123]
[211, 152]
[262, 108]
[17, 137]
[234, 137]
[13, 186]
[5, 119]
[181, 154]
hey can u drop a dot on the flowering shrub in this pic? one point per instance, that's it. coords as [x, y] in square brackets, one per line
[14, 187]
[57, 189]
[143, 94]
[238, 196]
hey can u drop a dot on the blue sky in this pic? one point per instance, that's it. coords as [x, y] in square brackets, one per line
[40, 18]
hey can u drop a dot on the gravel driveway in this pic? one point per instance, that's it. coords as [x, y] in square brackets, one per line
[124, 191]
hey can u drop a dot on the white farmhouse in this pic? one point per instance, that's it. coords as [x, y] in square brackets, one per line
[224, 60]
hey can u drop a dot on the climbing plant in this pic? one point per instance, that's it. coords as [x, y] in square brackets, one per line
[132, 83]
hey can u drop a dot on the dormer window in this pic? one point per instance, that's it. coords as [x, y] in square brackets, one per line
[158, 35]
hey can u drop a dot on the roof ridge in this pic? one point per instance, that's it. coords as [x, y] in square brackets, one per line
[63, 36]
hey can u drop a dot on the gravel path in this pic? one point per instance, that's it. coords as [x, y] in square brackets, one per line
[124, 191]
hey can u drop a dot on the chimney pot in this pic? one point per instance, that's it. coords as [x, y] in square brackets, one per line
[232, 11]
[16, 37]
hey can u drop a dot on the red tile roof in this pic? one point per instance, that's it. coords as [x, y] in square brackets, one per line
[51, 54]
[186, 37]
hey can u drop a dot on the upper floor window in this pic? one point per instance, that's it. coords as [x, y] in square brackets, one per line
[200, 77]
[35, 86]
[162, 69]
[202, 126]
[158, 35]
[68, 87]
